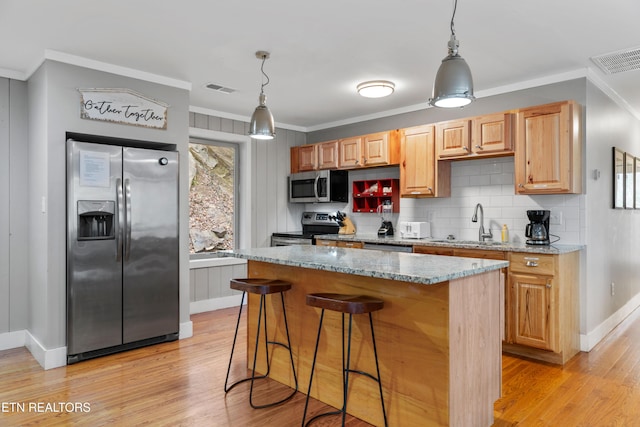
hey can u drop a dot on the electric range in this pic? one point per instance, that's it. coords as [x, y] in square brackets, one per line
[313, 224]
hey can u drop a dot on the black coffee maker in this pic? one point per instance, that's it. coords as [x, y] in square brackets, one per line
[537, 230]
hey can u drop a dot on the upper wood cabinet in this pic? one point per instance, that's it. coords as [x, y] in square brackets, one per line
[350, 153]
[328, 155]
[307, 157]
[380, 149]
[492, 134]
[420, 174]
[548, 152]
[453, 138]
[487, 136]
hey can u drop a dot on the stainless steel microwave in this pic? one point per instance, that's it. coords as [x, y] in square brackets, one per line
[319, 186]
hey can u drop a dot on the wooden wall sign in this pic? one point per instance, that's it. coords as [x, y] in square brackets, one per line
[122, 106]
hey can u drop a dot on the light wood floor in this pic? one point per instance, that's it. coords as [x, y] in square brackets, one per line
[181, 383]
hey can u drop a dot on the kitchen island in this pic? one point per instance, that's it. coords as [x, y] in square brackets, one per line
[439, 333]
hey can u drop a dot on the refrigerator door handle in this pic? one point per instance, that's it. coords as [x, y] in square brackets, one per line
[127, 202]
[120, 213]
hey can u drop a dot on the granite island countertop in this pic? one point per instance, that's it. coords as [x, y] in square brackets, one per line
[405, 267]
[553, 249]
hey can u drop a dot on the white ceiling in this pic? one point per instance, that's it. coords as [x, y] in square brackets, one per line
[321, 50]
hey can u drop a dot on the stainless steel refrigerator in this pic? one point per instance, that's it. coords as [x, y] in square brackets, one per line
[122, 248]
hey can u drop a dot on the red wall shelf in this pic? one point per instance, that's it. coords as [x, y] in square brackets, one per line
[369, 194]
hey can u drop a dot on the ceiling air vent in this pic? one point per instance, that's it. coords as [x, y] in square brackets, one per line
[619, 62]
[220, 88]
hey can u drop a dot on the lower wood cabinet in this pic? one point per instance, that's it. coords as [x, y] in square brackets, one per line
[543, 306]
[541, 309]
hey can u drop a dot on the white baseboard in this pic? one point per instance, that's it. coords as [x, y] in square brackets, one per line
[589, 340]
[215, 304]
[186, 330]
[10, 340]
[48, 359]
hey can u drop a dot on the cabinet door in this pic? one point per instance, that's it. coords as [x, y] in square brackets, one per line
[307, 157]
[548, 149]
[350, 153]
[376, 149]
[328, 155]
[533, 311]
[491, 134]
[417, 162]
[453, 138]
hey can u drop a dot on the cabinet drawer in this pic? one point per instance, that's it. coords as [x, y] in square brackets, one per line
[479, 253]
[532, 263]
[356, 245]
[325, 243]
[432, 250]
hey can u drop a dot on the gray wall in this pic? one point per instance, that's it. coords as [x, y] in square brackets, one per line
[574, 89]
[53, 110]
[13, 224]
[612, 234]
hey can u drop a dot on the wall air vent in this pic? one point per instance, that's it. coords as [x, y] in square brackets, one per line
[219, 88]
[619, 62]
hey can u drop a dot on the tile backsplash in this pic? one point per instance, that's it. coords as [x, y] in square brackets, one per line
[486, 181]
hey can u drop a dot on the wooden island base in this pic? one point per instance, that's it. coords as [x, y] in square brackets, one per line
[439, 346]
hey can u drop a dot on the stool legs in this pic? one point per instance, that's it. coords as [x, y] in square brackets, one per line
[262, 316]
[346, 370]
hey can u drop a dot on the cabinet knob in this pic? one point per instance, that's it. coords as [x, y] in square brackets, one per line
[479, 147]
[548, 285]
[520, 185]
[465, 148]
[430, 189]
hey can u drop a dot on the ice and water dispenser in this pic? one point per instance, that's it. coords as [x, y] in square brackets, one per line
[96, 219]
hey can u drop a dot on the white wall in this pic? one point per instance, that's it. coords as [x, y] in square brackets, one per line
[486, 181]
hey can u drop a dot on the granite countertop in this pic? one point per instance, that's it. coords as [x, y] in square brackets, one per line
[405, 267]
[553, 249]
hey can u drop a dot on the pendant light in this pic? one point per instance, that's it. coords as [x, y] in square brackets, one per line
[454, 84]
[262, 125]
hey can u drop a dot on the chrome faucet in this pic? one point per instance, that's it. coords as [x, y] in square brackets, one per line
[482, 235]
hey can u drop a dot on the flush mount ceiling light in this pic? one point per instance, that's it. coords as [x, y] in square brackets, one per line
[376, 88]
[262, 125]
[454, 84]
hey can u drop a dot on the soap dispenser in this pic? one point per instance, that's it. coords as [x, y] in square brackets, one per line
[505, 233]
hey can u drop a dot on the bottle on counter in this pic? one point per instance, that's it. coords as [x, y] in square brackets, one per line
[505, 233]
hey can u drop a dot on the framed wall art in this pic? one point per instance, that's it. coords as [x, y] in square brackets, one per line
[637, 183]
[618, 178]
[629, 181]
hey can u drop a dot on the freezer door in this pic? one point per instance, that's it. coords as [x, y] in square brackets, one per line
[150, 274]
[94, 266]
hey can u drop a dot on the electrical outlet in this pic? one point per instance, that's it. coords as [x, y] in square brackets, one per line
[555, 218]
[613, 289]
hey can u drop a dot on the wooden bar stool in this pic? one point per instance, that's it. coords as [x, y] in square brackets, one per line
[262, 287]
[345, 304]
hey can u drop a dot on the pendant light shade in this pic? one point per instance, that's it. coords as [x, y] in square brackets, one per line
[453, 86]
[262, 125]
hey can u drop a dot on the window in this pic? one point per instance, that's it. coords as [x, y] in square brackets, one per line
[213, 188]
